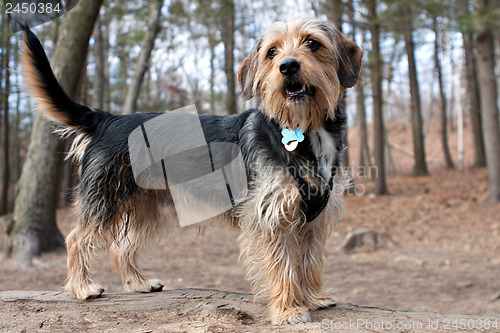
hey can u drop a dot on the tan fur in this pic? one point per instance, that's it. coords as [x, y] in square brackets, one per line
[318, 70]
[284, 257]
[78, 148]
[34, 83]
[137, 228]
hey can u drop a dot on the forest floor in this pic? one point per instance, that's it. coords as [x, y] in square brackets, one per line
[446, 260]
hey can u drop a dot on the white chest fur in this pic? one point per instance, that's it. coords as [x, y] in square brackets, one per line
[324, 149]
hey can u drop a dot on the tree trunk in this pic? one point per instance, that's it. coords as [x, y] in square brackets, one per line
[154, 26]
[389, 161]
[334, 11]
[106, 51]
[212, 44]
[378, 121]
[99, 66]
[5, 103]
[364, 148]
[460, 126]
[17, 140]
[472, 88]
[35, 229]
[488, 93]
[227, 17]
[444, 128]
[420, 167]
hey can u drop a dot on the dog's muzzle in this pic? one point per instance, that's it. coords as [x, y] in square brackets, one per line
[295, 90]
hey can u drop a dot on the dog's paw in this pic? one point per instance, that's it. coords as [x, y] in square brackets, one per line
[87, 292]
[148, 286]
[318, 302]
[291, 316]
[156, 285]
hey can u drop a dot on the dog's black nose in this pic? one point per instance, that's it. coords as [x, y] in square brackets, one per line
[289, 66]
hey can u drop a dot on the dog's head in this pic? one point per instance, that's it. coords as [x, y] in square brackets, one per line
[299, 70]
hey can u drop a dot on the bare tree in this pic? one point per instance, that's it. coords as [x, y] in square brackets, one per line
[99, 65]
[334, 11]
[376, 78]
[6, 48]
[443, 107]
[212, 42]
[364, 148]
[420, 167]
[34, 228]
[488, 92]
[227, 32]
[154, 26]
[472, 89]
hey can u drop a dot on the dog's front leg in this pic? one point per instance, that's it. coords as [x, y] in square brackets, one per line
[272, 264]
[271, 248]
[311, 269]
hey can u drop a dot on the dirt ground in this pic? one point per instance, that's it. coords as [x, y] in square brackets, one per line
[447, 260]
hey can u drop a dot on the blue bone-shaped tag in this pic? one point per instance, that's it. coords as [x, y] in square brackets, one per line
[291, 135]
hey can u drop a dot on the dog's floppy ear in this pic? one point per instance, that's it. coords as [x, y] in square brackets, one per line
[351, 59]
[247, 71]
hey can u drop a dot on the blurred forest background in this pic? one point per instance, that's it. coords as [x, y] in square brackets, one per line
[430, 71]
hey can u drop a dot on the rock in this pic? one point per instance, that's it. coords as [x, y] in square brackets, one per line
[412, 260]
[465, 284]
[190, 311]
[366, 240]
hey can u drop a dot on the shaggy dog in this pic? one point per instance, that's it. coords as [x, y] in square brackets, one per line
[297, 73]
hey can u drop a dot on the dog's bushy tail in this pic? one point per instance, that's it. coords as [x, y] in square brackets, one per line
[51, 98]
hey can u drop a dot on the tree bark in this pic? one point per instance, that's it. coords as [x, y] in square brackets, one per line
[188, 310]
[443, 107]
[5, 105]
[472, 91]
[334, 11]
[376, 78]
[212, 43]
[227, 24]
[99, 66]
[154, 27]
[364, 148]
[420, 167]
[17, 140]
[488, 93]
[35, 229]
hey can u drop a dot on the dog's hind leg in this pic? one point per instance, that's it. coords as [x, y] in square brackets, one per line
[125, 254]
[139, 230]
[81, 244]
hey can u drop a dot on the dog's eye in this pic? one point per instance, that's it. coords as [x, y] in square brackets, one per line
[313, 45]
[272, 52]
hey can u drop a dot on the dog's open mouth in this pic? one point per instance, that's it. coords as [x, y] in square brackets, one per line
[297, 91]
